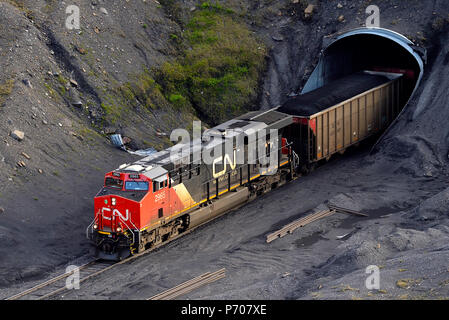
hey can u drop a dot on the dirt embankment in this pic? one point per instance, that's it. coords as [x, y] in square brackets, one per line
[46, 203]
[54, 88]
[63, 91]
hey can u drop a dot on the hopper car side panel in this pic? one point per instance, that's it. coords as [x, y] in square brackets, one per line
[320, 135]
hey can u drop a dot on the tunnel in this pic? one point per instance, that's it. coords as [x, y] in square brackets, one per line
[374, 49]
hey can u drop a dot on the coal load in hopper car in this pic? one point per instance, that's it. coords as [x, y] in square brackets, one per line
[342, 113]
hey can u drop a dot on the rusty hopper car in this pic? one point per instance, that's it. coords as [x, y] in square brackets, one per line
[342, 113]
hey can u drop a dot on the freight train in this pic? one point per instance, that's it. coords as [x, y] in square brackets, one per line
[159, 197]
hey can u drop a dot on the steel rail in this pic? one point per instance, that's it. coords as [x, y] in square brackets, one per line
[90, 275]
[46, 283]
[289, 228]
[349, 211]
[62, 289]
[190, 285]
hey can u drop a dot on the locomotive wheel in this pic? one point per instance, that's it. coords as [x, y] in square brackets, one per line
[308, 168]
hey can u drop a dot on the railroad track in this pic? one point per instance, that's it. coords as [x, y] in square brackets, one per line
[190, 285]
[57, 284]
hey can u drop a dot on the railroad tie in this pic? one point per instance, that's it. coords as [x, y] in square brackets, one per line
[347, 211]
[289, 228]
[190, 285]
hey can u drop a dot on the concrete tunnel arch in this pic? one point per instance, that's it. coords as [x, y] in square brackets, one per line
[369, 49]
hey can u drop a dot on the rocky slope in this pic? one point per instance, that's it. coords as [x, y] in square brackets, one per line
[114, 65]
[62, 92]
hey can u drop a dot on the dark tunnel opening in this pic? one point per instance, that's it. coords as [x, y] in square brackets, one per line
[375, 49]
[371, 52]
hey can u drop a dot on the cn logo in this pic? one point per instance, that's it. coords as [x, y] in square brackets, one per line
[227, 159]
[114, 213]
[373, 21]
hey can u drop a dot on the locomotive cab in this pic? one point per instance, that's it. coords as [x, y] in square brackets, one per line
[117, 205]
[131, 202]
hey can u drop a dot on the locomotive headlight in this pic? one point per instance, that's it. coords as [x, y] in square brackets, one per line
[119, 229]
[95, 226]
[113, 201]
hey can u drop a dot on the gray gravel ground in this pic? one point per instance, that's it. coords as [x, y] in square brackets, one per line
[403, 186]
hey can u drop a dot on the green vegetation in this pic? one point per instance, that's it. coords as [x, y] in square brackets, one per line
[216, 7]
[220, 68]
[53, 94]
[112, 112]
[215, 77]
[88, 134]
[144, 89]
[62, 81]
[6, 90]
[141, 90]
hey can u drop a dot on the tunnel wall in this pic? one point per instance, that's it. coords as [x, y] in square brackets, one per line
[366, 48]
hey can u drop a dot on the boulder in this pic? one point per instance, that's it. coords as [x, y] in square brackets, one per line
[18, 135]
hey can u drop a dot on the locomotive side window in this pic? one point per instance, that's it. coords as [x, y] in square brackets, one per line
[113, 183]
[158, 185]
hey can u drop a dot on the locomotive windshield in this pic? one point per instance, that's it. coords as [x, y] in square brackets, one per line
[113, 183]
[136, 185]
